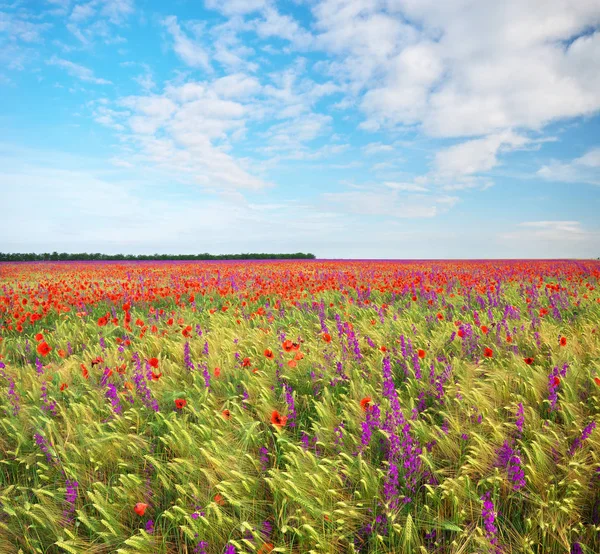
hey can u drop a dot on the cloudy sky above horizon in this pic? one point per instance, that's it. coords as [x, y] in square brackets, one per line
[346, 128]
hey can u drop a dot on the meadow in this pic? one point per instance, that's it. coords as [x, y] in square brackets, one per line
[300, 406]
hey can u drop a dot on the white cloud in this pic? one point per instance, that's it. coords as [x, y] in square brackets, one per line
[228, 48]
[237, 85]
[477, 155]
[465, 68]
[82, 12]
[192, 53]
[274, 24]
[186, 130]
[19, 28]
[290, 134]
[374, 148]
[79, 71]
[585, 169]
[97, 19]
[117, 11]
[145, 81]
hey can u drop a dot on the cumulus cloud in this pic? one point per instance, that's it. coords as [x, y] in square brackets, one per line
[461, 69]
[477, 155]
[186, 130]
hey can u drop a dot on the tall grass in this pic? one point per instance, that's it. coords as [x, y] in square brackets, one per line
[453, 452]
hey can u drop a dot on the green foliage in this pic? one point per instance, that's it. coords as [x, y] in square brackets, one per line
[64, 256]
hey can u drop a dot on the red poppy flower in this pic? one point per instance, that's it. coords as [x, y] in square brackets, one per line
[383, 349]
[170, 321]
[508, 338]
[556, 381]
[528, 361]
[365, 403]
[126, 307]
[62, 353]
[440, 316]
[43, 348]
[488, 352]
[563, 341]
[266, 548]
[153, 362]
[246, 362]
[269, 354]
[39, 337]
[292, 363]
[64, 386]
[461, 333]
[484, 329]
[102, 321]
[299, 356]
[140, 508]
[180, 403]
[84, 371]
[278, 419]
[156, 376]
[326, 337]
[597, 381]
[288, 345]
[219, 500]
[226, 414]
[217, 371]
[421, 353]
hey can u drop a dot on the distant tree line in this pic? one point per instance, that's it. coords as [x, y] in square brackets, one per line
[64, 256]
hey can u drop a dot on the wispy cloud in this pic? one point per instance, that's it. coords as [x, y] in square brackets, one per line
[585, 169]
[78, 71]
[190, 51]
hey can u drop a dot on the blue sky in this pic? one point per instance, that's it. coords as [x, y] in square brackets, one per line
[346, 128]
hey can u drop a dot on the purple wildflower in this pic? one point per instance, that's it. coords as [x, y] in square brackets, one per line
[187, 357]
[43, 446]
[70, 499]
[587, 431]
[200, 548]
[289, 398]
[267, 528]
[489, 517]
[520, 418]
[112, 395]
[264, 458]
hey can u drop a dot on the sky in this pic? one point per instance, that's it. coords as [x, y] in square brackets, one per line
[383, 129]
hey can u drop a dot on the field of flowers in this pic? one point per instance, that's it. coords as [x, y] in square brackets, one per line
[313, 406]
